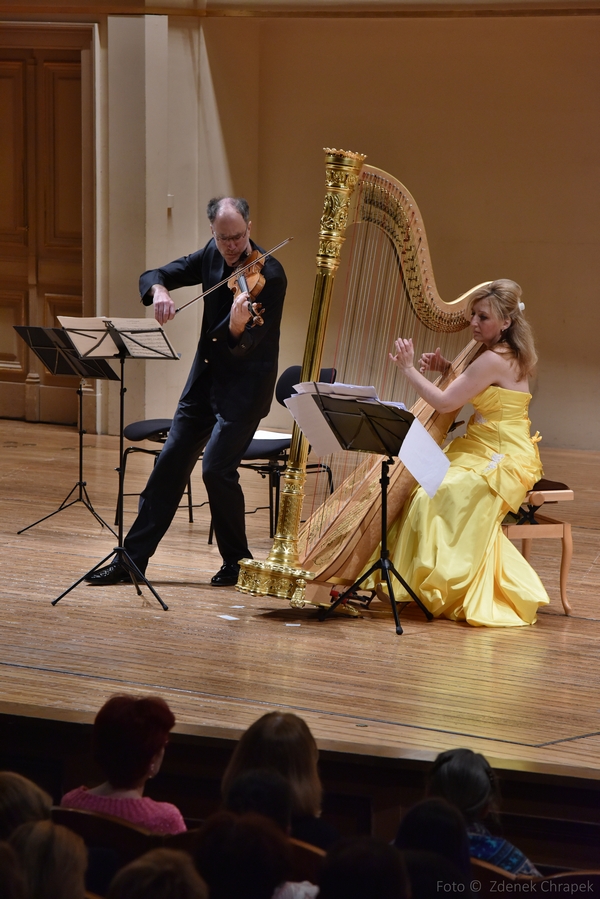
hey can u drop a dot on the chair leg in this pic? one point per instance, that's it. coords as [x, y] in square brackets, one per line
[565, 564]
[318, 467]
[526, 549]
[211, 532]
[190, 503]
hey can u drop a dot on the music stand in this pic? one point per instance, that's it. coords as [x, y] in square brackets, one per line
[98, 338]
[59, 356]
[371, 427]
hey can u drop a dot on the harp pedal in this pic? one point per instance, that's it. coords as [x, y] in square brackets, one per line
[351, 600]
[344, 609]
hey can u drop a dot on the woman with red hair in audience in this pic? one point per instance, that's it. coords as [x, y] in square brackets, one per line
[129, 739]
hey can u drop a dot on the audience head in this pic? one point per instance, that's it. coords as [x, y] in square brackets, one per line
[436, 826]
[53, 860]
[263, 792]
[431, 874]
[20, 801]
[129, 737]
[159, 874]
[241, 857]
[12, 884]
[283, 742]
[465, 779]
[363, 868]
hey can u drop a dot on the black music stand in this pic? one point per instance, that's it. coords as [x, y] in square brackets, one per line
[56, 350]
[122, 338]
[371, 427]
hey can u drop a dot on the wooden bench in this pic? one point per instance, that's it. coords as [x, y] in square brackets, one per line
[530, 524]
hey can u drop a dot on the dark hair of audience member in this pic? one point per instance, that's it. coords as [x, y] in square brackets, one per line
[465, 779]
[436, 826]
[53, 860]
[12, 884]
[263, 792]
[128, 733]
[363, 868]
[159, 874]
[281, 741]
[20, 801]
[431, 874]
[241, 857]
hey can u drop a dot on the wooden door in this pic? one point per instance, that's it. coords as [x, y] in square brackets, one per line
[41, 273]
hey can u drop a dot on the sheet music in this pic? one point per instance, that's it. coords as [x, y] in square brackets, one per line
[345, 391]
[354, 391]
[90, 336]
[143, 338]
[419, 452]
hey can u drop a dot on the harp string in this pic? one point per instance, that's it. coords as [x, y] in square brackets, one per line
[375, 300]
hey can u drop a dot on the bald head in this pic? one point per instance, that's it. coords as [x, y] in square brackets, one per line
[230, 224]
[239, 204]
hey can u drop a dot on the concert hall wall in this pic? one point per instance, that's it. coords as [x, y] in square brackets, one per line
[492, 122]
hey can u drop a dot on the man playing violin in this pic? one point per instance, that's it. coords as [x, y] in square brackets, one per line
[228, 391]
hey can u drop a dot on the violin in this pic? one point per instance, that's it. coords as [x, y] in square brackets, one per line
[248, 278]
[240, 270]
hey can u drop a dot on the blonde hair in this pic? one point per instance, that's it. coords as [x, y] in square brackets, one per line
[53, 860]
[504, 297]
[282, 742]
[20, 801]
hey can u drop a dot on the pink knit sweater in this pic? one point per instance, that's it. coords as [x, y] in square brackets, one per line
[160, 817]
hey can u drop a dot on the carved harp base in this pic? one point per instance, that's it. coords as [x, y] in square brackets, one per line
[273, 579]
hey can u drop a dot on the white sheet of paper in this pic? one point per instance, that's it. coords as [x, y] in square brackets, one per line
[356, 391]
[271, 435]
[423, 458]
[312, 424]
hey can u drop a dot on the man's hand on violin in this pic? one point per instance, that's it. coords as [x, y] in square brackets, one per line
[239, 315]
[164, 307]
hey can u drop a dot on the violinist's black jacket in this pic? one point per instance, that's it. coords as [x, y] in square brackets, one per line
[228, 391]
[243, 375]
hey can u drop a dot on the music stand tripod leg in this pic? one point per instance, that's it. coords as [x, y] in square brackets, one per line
[82, 578]
[410, 591]
[119, 553]
[384, 566]
[83, 496]
[136, 575]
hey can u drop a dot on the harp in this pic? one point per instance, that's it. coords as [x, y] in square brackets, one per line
[384, 288]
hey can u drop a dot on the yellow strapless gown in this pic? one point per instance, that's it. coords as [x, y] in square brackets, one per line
[451, 549]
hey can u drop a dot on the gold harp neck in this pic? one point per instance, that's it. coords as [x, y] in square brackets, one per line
[342, 173]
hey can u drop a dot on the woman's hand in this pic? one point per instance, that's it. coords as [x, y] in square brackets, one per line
[405, 354]
[433, 362]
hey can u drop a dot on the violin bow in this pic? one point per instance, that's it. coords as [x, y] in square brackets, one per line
[238, 271]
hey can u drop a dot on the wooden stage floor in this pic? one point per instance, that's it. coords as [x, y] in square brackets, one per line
[221, 659]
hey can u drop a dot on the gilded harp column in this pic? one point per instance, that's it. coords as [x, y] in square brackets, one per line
[280, 575]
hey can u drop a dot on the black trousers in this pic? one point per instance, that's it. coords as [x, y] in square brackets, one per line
[197, 426]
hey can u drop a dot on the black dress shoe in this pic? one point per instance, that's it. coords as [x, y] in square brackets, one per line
[227, 575]
[115, 573]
